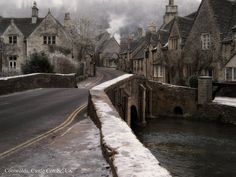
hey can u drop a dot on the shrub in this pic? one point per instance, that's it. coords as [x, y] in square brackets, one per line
[64, 65]
[193, 81]
[38, 63]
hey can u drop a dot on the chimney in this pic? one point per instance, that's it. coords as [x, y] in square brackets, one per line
[152, 28]
[67, 20]
[35, 11]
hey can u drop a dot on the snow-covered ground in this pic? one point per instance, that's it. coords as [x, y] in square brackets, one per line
[225, 101]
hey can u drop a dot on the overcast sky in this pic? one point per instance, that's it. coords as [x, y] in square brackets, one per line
[118, 13]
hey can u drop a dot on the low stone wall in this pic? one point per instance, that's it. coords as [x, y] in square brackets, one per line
[169, 99]
[32, 81]
[125, 153]
[216, 112]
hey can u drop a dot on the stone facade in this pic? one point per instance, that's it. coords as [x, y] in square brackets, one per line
[169, 100]
[48, 27]
[24, 36]
[201, 43]
[107, 51]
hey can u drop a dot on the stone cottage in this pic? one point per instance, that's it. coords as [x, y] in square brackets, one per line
[23, 36]
[210, 46]
[107, 50]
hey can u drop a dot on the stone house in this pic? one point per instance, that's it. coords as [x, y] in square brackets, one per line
[107, 50]
[23, 36]
[210, 44]
[202, 43]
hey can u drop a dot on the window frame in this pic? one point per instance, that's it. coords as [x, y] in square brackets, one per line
[12, 62]
[49, 40]
[158, 71]
[13, 39]
[206, 41]
[231, 75]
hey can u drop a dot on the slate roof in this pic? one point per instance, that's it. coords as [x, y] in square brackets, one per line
[105, 43]
[164, 31]
[192, 15]
[139, 54]
[185, 25]
[24, 24]
[225, 15]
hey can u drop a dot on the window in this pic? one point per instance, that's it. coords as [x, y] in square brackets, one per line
[53, 39]
[206, 41]
[208, 72]
[12, 62]
[158, 71]
[45, 40]
[49, 40]
[230, 74]
[174, 43]
[13, 39]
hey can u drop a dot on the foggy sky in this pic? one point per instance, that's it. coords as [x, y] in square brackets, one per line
[118, 13]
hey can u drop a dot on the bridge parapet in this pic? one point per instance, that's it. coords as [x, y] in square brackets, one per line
[125, 154]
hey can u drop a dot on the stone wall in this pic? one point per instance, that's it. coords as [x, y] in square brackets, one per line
[167, 99]
[125, 154]
[32, 81]
[216, 112]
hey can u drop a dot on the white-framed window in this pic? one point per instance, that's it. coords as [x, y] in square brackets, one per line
[50, 40]
[13, 39]
[230, 74]
[158, 71]
[206, 41]
[12, 62]
[207, 72]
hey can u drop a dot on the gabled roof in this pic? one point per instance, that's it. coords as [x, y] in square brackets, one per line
[104, 44]
[24, 24]
[100, 36]
[139, 54]
[185, 25]
[224, 13]
[164, 31]
[192, 15]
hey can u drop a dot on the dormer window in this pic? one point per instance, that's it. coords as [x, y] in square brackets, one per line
[50, 40]
[206, 41]
[13, 39]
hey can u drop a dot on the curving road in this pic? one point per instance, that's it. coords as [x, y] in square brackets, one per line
[28, 114]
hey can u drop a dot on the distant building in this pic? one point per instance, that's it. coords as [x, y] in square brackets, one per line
[107, 51]
[23, 36]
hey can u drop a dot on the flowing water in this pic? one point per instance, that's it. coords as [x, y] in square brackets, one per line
[190, 148]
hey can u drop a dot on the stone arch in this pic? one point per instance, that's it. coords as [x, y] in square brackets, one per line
[178, 111]
[134, 116]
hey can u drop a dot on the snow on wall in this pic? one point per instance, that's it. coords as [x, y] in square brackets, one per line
[34, 74]
[125, 153]
[226, 101]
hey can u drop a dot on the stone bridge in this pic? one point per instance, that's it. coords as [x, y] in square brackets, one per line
[117, 105]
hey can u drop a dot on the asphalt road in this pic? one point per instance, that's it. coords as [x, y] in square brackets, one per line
[28, 114]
